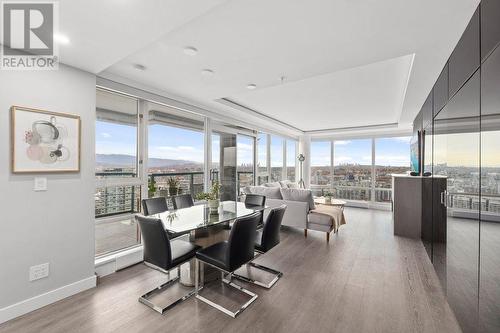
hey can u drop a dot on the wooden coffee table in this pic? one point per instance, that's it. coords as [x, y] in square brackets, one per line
[334, 202]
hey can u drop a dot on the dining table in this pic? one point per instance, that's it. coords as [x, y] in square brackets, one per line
[197, 222]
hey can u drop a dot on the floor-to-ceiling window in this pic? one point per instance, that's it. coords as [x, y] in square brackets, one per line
[353, 169]
[118, 190]
[321, 167]
[362, 168]
[262, 167]
[245, 151]
[392, 156]
[291, 159]
[276, 158]
[175, 152]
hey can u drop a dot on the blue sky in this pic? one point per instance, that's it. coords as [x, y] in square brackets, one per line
[176, 143]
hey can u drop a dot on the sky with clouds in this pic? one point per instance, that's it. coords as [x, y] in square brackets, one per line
[388, 151]
[177, 143]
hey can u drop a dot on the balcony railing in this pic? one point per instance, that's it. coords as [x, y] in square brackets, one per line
[356, 193]
[115, 200]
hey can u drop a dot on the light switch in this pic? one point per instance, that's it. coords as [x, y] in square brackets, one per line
[40, 184]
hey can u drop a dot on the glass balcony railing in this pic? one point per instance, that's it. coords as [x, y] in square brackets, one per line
[115, 200]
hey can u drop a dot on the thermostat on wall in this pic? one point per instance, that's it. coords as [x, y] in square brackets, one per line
[40, 184]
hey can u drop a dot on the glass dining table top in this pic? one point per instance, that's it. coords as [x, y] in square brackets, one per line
[199, 216]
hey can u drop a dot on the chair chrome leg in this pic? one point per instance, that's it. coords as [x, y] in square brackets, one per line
[144, 299]
[277, 276]
[235, 286]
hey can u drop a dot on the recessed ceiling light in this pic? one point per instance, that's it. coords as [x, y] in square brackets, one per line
[139, 67]
[190, 50]
[251, 86]
[207, 72]
[61, 39]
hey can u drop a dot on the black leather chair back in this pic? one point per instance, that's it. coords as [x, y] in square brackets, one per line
[271, 230]
[241, 241]
[255, 200]
[182, 201]
[154, 205]
[155, 241]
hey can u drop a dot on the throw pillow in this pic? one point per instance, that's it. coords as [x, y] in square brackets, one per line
[298, 194]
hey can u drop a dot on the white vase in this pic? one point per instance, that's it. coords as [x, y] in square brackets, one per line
[328, 200]
[213, 206]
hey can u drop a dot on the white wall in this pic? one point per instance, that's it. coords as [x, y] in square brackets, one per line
[56, 226]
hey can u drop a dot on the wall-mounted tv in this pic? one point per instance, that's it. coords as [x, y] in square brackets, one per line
[415, 152]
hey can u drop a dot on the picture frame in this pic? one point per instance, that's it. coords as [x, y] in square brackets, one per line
[44, 141]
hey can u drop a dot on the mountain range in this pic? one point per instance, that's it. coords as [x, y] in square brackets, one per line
[120, 160]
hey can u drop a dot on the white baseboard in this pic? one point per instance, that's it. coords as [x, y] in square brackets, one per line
[31, 304]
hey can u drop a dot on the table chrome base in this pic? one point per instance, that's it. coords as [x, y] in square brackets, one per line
[229, 283]
[144, 299]
[277, 276]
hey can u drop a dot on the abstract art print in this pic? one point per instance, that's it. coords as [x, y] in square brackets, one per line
[44, 141]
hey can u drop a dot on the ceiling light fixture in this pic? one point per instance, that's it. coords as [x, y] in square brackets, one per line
[139, 67]
[251, 86]
[207, 72]
[190, 50]
[61, 39]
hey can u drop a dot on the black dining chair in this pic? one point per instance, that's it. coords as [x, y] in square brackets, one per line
[154, 205]
[255, 200]
[182, 201]
[252, 201]
[228, 256]
[163, 254]
[266, 239]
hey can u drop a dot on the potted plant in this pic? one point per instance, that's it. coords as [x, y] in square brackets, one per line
[173, 185]
[328, 197]
[212, 197]
[151, 187]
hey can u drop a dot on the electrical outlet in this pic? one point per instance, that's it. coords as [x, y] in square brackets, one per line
[39, 271]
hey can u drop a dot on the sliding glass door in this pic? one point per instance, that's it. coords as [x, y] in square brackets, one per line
[224, 163]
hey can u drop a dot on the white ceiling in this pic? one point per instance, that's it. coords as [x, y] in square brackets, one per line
[346, 62]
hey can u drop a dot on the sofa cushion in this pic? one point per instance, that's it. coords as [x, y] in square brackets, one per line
[273, 184]
[284, 183]
[298, 194]
[268, 192]
[293, 185]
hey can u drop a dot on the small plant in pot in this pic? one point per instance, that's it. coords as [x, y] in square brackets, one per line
[151, 188]
[211, 197]
[328, 197]
[173, 185]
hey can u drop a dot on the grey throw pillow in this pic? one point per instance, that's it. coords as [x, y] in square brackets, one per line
[293, 185]
[268, 192]
[284, 183]
[298, 194]
[274, 184]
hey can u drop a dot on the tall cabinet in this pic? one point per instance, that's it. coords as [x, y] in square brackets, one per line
[461, 122]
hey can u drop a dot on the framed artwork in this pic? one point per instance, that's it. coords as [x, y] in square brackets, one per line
[44, 141]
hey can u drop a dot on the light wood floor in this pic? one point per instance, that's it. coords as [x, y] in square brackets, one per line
[364, 280]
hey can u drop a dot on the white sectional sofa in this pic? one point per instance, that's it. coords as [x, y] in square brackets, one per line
[301, 211]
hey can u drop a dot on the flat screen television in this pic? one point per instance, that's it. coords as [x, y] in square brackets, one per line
[415, 152]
